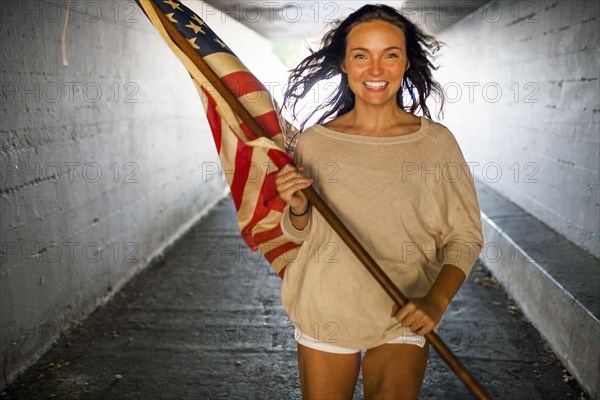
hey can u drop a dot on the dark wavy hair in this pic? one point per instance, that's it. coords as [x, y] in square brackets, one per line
[325, 63]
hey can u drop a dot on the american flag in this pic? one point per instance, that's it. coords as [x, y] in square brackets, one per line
[243, 155]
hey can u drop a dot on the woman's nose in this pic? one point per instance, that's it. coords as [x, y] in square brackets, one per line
[375, 68]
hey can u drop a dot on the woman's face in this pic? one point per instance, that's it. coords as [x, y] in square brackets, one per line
[375, 62]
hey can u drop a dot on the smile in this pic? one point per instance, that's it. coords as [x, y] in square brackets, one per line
[375, 85]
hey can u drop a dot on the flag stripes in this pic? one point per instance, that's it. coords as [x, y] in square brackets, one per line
[250, 163]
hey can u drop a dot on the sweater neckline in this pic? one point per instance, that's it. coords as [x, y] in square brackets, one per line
[418, 134]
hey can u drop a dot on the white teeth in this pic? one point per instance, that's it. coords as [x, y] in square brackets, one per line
[375, 84]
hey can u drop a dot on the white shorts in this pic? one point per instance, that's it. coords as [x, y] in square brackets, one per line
[408, 337]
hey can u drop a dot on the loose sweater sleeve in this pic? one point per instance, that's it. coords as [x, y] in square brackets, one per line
[290, 231]
[462, 239]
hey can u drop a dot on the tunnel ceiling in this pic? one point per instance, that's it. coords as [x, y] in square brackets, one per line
[300, 19]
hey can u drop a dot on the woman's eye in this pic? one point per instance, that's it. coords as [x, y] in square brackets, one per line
[392, 55]
[359, 56]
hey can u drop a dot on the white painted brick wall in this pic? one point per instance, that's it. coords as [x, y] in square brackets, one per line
[146, 134]
[543, 129]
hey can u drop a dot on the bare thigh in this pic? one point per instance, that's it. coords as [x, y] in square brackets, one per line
[327, 375]
[394, 371]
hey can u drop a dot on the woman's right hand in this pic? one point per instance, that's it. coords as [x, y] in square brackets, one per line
[289, 182]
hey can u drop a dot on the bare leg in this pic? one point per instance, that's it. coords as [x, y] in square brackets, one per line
[394, 371]
[327, 375]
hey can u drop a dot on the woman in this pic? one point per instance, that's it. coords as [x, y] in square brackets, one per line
[400, 183]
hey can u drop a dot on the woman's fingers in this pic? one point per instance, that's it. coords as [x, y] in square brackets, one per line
[405, 311]
[414, 318]
[288, 173]
[290, 181]
[300, 181]
[290, 188]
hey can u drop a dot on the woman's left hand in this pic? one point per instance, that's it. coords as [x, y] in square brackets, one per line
[420, 314]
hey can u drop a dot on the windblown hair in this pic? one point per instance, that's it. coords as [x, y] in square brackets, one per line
[326, 63]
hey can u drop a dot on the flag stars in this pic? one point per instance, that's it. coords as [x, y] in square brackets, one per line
[195, 28]
[198, 20]
[173, 4]
[193, 43]
[171, 18]
[223, 45]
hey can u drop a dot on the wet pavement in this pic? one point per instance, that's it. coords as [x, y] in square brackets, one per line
[206, 322]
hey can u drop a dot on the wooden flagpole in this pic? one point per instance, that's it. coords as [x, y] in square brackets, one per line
[361, 253]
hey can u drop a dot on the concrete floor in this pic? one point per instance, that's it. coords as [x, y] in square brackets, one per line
[206, 323]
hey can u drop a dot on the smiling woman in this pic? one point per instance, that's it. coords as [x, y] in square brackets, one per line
[327, 62]
[375, 62]
[369, 133]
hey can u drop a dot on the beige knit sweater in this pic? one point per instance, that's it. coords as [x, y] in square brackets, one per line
[410, 201]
